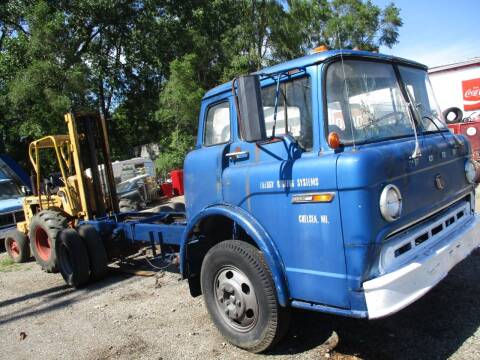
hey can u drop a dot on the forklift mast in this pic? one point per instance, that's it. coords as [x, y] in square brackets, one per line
[90, 147]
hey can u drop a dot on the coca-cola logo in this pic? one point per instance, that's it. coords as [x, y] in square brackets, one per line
[471, 94]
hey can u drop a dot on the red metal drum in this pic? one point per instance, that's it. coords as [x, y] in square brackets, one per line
[471, 130]
[177, 181]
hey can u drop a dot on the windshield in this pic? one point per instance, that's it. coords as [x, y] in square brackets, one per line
[9, 190]
[365, 103]
[421, 91]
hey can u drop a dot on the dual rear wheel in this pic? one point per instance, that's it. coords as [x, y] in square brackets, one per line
[78, 255]
[81, 256]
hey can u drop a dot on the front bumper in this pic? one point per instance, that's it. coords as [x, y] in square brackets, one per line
[397, 289]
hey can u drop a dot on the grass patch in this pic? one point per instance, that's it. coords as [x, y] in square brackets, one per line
[7, 264]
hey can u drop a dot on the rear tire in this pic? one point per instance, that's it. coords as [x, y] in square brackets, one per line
[240, 296]
[72, 258]
[458, 115]
[44, 229]
[96, 251]
[17, 246]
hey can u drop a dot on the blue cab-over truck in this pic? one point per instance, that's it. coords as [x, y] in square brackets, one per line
[329, 183]
[12, 179]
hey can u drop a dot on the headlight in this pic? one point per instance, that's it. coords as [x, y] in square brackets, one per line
[470, 171]
[391, 203]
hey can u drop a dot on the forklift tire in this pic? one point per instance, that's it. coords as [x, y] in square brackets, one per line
[96, 251]
[72, 258]
[127, 205]
[240, 296]
[17, 246]
[44, 229]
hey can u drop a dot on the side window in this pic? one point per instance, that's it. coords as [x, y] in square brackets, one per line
[217, 125]
[294, 111]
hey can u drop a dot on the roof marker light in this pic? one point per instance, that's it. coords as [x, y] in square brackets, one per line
[320, 48]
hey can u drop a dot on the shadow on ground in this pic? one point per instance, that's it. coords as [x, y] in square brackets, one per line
[57, 297]
[432, 328]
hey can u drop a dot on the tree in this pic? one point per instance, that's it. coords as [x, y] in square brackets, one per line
[145, 64]
[339, 24]
[178, 113]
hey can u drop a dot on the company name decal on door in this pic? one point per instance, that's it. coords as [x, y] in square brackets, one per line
[291, 183]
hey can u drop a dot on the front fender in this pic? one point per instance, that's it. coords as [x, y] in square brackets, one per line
[255, 231]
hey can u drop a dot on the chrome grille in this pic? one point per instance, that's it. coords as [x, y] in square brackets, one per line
[9, 219]
[404, 246]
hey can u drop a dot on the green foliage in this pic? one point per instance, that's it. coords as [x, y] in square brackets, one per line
[174, 153]
[145, 64]
[7, 264]
[180, 99]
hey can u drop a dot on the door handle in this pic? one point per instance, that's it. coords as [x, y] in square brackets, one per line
[237, 155]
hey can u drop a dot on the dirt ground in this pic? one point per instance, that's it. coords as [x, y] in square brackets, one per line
[134, 317]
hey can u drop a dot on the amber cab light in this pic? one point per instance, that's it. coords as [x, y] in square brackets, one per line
[333, 140]
[320, 48]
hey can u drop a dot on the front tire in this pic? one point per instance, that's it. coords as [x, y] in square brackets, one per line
[17, 246]
[44, 229]
[240, 296]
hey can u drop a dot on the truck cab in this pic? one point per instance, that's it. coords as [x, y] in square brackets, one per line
[12, 179]
[11, 210]
[337, 175]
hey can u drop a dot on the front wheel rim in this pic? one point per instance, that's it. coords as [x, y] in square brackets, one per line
[235, 299]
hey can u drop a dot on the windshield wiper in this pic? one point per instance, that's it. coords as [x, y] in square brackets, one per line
[455, 138]
[416, 152]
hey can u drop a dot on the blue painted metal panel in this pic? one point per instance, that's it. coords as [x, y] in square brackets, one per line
[256, 232]
[312, 59]
[363, 173]
[308, 236]
[203, 167]
[263, 184]
[9, 169]
[145, 228]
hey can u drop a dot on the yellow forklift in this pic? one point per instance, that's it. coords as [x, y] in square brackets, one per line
[83, 191]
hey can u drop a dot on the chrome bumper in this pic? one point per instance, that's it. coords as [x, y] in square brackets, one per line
[397, 289]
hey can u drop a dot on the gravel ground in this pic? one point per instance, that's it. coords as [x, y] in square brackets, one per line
[134, 317]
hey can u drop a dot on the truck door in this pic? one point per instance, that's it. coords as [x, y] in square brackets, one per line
[268, 180]
[204, 166]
